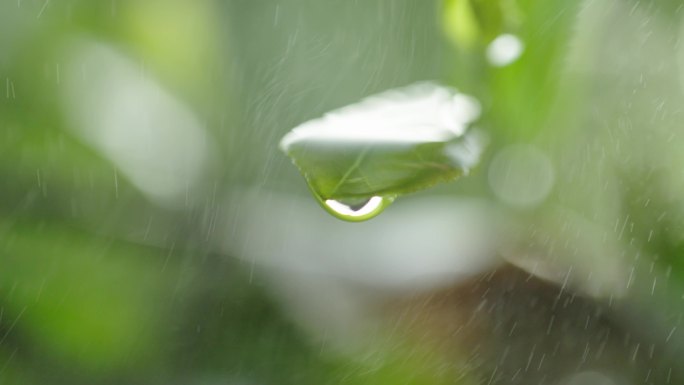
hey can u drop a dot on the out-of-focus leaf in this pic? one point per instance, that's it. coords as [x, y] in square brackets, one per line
[411, 364]
[155, 140]
[460, 23]
[12, 372]
[87, 300]
[472, 23]
[178, 39]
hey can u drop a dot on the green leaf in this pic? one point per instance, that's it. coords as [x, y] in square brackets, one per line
[391, 144]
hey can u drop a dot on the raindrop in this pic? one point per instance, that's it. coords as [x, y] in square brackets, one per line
[357, 210]
[504, 50]
[521, 176]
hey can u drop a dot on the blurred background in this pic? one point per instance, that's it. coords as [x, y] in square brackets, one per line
[151, 232]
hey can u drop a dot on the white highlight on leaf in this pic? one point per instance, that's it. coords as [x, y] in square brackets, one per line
[521, 176]
[420, 113]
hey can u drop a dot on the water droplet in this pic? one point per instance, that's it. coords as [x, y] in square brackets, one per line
[504, 50]
[357, 210]
[521, 175]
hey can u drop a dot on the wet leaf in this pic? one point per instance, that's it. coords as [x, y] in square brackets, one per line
[391, 144]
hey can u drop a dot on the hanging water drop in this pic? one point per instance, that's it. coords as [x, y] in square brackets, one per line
[357, 210]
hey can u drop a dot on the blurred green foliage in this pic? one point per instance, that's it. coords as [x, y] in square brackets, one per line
[99, 283]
